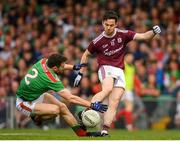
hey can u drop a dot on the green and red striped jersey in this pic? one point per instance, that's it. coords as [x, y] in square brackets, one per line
[38, 80]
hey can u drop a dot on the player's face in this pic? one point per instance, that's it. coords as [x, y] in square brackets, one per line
[129, 58]
[109, 26]
[60, 69]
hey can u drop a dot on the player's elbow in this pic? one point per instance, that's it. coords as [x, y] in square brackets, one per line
[55, 110]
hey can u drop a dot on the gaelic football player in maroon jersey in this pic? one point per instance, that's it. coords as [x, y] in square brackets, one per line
[109, 48]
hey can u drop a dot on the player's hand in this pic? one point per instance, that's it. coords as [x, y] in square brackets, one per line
[98, 106]
[79, 66]
[156, 29]
[78, 79]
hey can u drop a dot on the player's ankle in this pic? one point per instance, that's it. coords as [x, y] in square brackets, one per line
[79, 131]
[105, 128]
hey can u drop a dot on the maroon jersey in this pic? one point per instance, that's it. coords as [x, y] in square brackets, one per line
[111, 50]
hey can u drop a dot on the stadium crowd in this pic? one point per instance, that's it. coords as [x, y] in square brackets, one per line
[30, 30]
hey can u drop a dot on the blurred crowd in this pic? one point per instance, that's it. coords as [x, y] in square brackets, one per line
[32, 29]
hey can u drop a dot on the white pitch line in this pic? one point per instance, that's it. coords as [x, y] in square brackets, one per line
[13, 134]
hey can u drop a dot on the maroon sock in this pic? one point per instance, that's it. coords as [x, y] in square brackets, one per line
[105, 127]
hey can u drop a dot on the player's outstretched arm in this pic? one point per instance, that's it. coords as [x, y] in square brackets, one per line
[149, 34]
[75, 67]
[66, 94]
[84, 60]
[98, 106]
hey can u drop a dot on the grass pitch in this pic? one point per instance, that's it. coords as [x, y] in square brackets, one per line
[67, 134]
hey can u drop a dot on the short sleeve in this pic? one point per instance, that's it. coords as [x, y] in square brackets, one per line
[56, 86]
[129, 35]
[91, 48]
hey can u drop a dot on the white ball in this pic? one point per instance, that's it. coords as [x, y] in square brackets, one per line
[91, 118]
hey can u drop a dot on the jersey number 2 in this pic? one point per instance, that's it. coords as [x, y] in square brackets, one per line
[31, 76]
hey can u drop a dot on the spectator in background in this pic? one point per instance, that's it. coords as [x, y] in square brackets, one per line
[85, 90]
[13, 88]
[95, 85]
[172, 78]
[175, 112]
[22, 68]
[150, 93]
[3, 107]
[140, 78]
[160, 77]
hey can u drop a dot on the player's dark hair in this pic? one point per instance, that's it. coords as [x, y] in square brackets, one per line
[110, 15]
[55, 60]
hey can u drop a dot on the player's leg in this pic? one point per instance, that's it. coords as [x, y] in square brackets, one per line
[107, 86]
[68, 117]
[36, 109]
[39, 119]
[114, 99]
[64, 111]
[107, 82]
[66, 114]
[114, 96]
[52, 108]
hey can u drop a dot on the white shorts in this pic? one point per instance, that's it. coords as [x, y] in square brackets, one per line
[117, 73]
[27, 107]
[128, 96]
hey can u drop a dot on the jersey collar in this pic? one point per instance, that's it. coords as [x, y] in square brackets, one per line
[105, 35]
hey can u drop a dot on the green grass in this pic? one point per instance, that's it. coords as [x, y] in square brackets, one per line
[67, 134]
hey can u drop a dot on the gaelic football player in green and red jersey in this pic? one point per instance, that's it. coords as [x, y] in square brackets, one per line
[34, 100]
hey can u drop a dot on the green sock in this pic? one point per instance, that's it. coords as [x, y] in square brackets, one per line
[76, 127]
[78, 130]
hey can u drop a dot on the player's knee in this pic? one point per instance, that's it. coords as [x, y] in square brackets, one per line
[55, 110]
[63, 107]
[107, 90]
